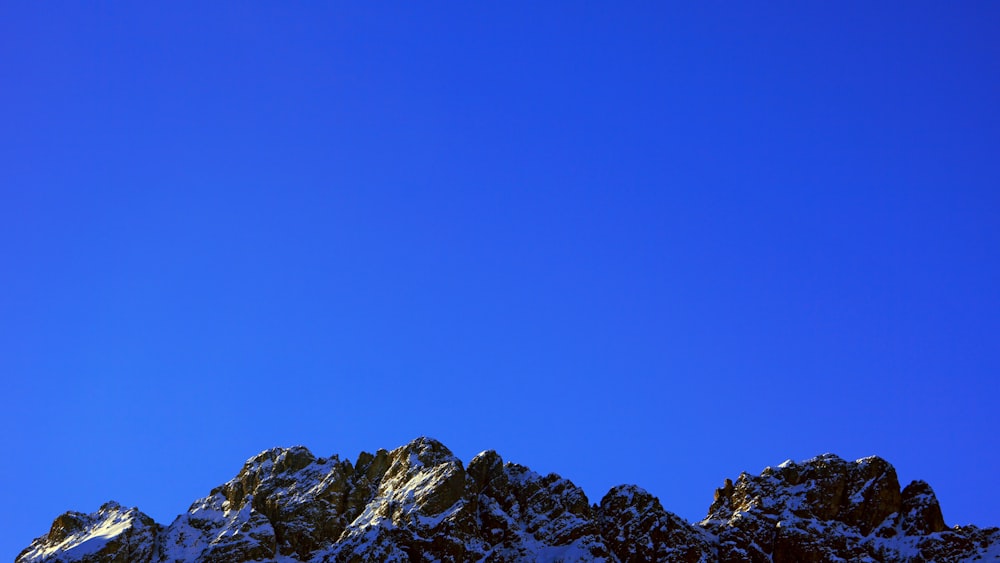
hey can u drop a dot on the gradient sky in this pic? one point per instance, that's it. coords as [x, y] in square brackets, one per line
[659, 243]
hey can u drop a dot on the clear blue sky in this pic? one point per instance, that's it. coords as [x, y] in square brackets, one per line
[658, 243]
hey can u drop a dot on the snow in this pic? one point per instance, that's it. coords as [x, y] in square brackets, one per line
[94, 540]
[99, 529]
[539, 519]
[565, 554]
[415, 461]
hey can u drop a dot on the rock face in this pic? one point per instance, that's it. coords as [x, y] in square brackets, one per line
[113, 534]
[419, 503]
[829, 509]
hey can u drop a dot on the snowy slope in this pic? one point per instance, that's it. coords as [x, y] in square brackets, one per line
[420, 503]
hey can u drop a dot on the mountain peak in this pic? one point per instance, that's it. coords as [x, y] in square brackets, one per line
[418, 502]
[75, 536]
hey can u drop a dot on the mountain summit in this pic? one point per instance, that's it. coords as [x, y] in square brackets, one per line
[419, 502]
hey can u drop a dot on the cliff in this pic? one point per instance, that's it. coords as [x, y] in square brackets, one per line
[419, 502]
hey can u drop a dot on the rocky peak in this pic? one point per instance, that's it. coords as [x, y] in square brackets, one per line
[827, 508]
[919, 511]
[113, 534]
[487, 473]
[636, 528]
[419, 503]
[860, 493]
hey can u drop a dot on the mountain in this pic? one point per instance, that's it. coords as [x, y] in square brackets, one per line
[419, 502]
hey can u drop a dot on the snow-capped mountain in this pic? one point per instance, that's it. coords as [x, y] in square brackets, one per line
[419, 502]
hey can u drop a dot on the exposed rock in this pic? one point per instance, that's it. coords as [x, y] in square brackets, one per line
[418, 503]
[829, 509]
[920, 512]
[636, 528]
[113, 534]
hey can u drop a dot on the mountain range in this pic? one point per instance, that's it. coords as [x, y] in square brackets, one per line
[419, 502]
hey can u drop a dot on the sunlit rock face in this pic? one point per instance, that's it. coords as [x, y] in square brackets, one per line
[419, 502]
[113, 534]
[829, 509]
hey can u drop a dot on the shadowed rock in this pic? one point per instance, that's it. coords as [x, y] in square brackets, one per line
[419, 503]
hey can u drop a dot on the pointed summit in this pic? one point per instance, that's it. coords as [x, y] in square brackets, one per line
[418, 502]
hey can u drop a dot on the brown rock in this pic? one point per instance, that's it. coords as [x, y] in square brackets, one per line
[418, 503]
[920, 513]
[636, 528]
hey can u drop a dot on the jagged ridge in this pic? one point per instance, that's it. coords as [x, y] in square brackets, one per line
[419, 503]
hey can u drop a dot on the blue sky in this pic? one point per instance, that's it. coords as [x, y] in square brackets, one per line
[652, 243]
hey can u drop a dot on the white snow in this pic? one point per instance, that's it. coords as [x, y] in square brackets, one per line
[110, 522]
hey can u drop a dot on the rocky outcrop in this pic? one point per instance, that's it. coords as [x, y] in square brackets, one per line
[829, 509]
[636, 528]
[113, 534]
[419, 503]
